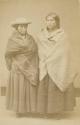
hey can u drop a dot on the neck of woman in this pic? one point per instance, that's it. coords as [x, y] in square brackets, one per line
[50, 30]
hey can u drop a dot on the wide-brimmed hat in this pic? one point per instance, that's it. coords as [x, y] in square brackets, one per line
[20, 21]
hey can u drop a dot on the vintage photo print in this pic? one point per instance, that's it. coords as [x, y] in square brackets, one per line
[40, 62]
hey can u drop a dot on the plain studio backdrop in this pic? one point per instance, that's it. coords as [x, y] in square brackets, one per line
[35, 11]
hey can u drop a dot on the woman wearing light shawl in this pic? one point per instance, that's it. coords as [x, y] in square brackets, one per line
[22, 61]
[56, 91]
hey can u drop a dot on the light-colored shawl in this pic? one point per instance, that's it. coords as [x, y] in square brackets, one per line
[55, 58]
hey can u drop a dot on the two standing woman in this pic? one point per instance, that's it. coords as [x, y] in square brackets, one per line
[39, 85]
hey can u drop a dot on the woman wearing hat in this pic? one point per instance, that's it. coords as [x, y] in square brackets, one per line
[56, 91]
[22, 62]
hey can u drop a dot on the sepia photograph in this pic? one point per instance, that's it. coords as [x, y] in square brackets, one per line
[40, 62]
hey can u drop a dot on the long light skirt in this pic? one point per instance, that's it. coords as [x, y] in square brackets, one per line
[21, 94]
[52, 100]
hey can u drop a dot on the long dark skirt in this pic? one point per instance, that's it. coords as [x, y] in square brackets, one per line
[52, 100]
[21, 94]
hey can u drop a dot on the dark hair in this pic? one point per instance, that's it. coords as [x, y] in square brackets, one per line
[16, 26]
[54, 16]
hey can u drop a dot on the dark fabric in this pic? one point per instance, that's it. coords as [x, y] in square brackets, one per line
[52, 100]
[21, 95]
[22, 56]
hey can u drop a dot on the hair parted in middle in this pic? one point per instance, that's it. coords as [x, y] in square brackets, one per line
[55, 17]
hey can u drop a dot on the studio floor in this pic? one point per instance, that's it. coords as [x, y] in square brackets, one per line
[9, 118]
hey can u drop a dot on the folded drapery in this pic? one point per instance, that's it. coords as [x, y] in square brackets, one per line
[21, 56]
[55, 58]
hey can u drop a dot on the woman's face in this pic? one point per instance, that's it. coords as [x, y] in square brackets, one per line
[50, 23]
[22, 29]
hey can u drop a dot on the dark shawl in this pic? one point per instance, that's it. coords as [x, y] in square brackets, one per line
[23, 54]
